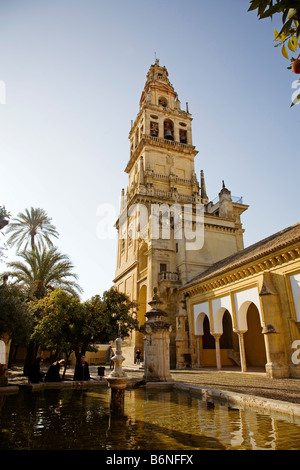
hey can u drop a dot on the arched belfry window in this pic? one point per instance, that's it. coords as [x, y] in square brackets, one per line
[168, 130]
[183, 136]
[154, 129]
[162, 101]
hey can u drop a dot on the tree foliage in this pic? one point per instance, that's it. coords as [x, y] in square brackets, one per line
[31, 228]
[64, 323]
[4, 215]
[289, 35]
[59, 321]
[117, 307]
[15, 320]
[4, 221]
[53, 319]
[41, 271]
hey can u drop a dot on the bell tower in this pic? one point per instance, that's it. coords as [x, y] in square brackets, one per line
[162, 136]
[162, 183]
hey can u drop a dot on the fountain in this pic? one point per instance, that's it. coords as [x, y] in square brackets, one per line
[117, 381]
[157, 340]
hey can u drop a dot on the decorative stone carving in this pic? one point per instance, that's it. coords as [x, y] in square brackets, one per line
[118, 381]
[156, 343]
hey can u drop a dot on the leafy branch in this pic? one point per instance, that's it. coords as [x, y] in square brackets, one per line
[3, 213]
[289, 35]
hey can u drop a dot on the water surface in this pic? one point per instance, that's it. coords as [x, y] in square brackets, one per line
[81, 420]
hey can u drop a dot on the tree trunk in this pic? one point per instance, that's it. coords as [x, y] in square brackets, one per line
[77, 354]
[66, 364]
[32, 242]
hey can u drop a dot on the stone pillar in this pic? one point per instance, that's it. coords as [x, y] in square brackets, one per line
[176, 132]
[198, 349]
[117, 398]
[242, 350]
[276, 349]
[276, 366]
[157, 344]
[141, 172]
[181, 338]
[218, 351]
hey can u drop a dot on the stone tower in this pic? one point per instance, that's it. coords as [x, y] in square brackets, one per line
[168, 229]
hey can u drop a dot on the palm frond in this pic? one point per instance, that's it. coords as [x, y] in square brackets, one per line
[44, 269]
[33, 228]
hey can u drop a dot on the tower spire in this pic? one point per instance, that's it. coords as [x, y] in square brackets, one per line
[203, 192]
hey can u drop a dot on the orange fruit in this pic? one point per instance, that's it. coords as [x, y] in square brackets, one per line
[296, 66]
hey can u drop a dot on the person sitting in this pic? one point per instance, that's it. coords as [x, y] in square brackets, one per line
[35, 375]
[52, 374]
[82, 370]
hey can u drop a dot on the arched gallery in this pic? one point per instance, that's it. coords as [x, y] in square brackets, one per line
[245, 310]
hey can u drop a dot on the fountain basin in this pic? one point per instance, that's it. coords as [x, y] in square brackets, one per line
[76, 419]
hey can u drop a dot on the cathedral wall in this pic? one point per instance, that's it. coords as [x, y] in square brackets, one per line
[218, 244]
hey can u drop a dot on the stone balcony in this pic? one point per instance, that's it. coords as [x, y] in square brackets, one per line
[169, 276]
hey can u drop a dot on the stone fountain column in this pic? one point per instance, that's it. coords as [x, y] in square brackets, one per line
[117, 381]
[157, 342]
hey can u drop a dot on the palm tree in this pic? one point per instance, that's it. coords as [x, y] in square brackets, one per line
[32, 228]
[43, 270]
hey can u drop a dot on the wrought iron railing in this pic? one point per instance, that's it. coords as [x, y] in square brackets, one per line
[236, 199]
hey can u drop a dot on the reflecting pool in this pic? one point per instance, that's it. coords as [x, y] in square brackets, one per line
[154, 420]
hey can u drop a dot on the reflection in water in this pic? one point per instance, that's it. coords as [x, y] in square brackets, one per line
[80, 419]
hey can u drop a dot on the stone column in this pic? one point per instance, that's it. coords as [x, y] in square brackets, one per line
[198, 349]
[276, 348]
[242, 350]
[276, 366]
[218, 351]
[176, 131]
[181, 338]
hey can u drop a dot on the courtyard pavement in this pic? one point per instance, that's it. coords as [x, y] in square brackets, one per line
[254, 382]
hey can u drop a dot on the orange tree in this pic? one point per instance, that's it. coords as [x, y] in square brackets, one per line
[15, 320]
[288, 38]
[53, 316]
[66, 325]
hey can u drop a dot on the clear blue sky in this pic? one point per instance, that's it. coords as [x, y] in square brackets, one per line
[74, 72]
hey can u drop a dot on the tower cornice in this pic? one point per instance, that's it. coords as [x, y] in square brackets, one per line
[160, 143]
